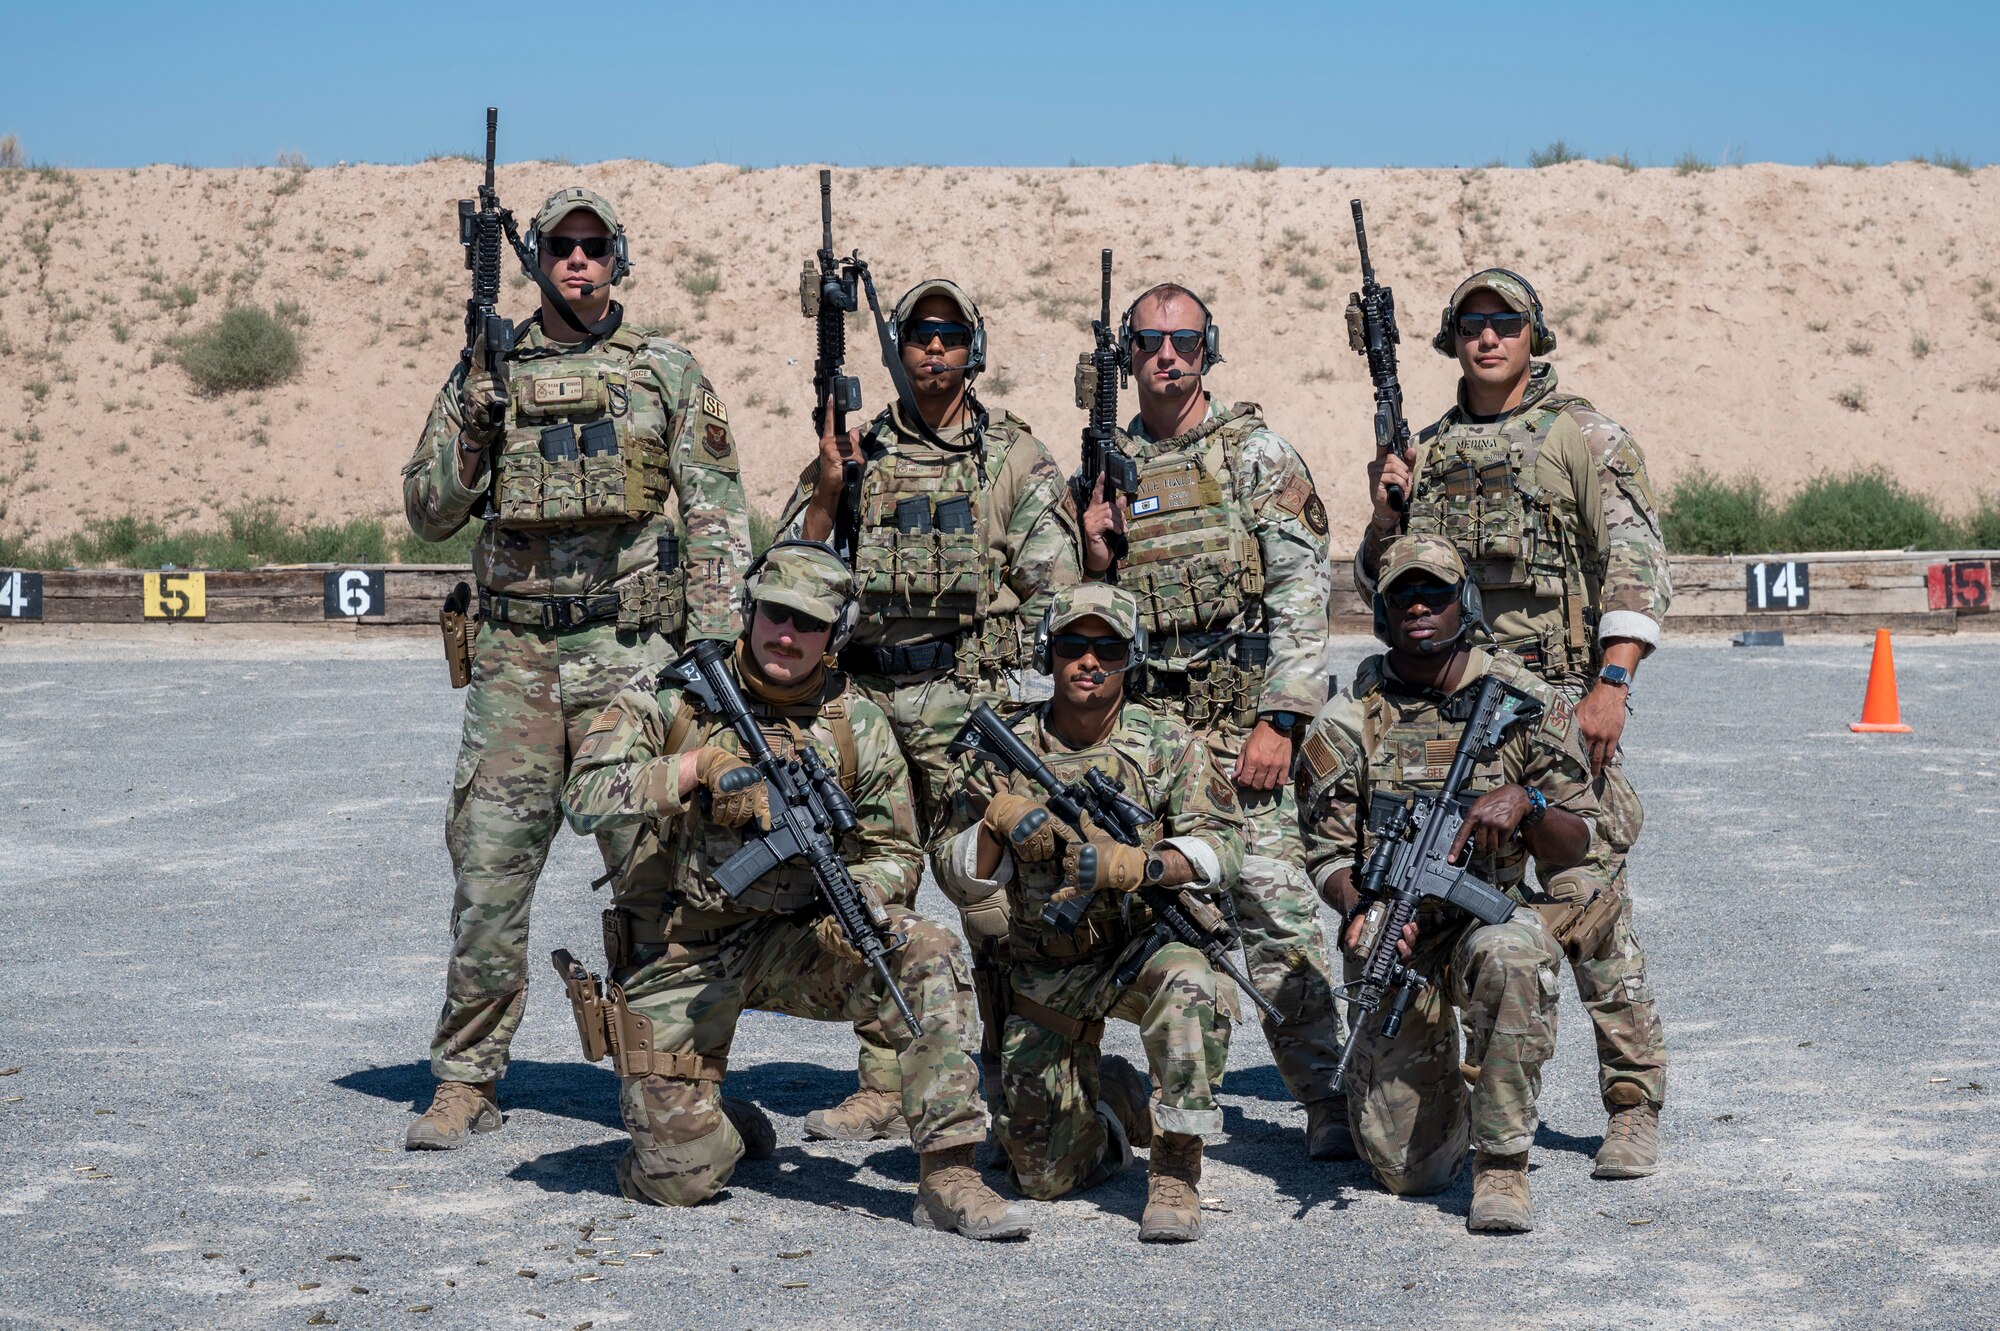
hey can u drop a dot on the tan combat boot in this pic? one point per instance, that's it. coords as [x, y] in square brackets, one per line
[760, 1139]
[1500, 1200]
[1173, 1190]
[951, 1197]
[459, 1109]
[1327, 1135]
[865, 1116]
[1631, 1146]
[1122, 1090]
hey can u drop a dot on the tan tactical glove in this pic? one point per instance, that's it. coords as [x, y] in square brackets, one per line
[1101, 866]
[1023, 826]
[482, 406]
[736, 793]
[832, 940]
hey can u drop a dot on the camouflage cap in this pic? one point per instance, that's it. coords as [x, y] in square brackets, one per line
[804, 576]
[566, 201]
[1431, 554]
[1114, 605]
[935, 286]
[1501, 283]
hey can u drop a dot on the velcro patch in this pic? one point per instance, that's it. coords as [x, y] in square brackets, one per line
[1558, 720]
[558, 392]
[1168, 492]
[711, 407]
[1438, 754]
[1293, 495]
[715, 439]
[1320, 758]
[1315, 515]
[606, 720]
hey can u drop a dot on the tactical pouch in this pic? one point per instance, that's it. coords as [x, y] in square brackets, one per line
[460, 627]
[955, 515]
[1578, 912]
[586, 1002]
[617, 925]
[913, 516]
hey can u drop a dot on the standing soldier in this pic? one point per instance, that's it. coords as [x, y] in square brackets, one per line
[600, 459]
[1388, 737]
[1227, 559]
[687, 957]
[965, 527]
[1548, 504]
[1070, 1119]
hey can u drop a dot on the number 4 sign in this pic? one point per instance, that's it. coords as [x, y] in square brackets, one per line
[1785, 586]
[20, 594]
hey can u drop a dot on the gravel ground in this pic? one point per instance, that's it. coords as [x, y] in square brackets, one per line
[223, 935]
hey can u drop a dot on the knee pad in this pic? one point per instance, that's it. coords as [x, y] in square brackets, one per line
[683, 1148]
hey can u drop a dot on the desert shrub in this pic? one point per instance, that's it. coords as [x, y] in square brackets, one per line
[11, 156]
[1554, 155]
[1261, 162]
[1863, 509]
[1707, 515]
[1949, 161]
[1688, 164]
[245, 348]
[1980, 529]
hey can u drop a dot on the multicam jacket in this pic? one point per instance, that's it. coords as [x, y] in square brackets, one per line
[1555, 517]
[617, 472]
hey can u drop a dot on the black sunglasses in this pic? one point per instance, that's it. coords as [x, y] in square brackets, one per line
[781, 615]
[593, 247]
[1504, 323]
[1434, 594]
[923, 331]
[1069, 646]
[1187, 341]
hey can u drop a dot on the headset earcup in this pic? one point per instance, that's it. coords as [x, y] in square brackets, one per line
[1545, 341]
[1211, 346]
[1471, 607]
[621, 257]
[1441, 342]
[976, 362]
[1380, 609]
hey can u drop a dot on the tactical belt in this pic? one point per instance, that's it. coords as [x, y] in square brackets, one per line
[1070, 1028]
[912, 659]
[556, 613]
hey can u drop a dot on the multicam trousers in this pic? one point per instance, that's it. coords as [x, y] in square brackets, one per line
[1048, 1120]
[533, 694]
[1408, 1101]
[683, 1148]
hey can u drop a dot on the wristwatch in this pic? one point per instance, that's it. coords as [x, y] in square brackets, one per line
[1282, 722]
[1156, 869]
[1617, 676]
[1538, 805]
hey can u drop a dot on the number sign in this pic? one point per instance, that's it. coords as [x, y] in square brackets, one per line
[1783, 586]
[176, 596]
[20, 594]
[354, 592]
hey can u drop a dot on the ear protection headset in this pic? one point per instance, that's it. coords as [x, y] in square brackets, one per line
[1042, 656]
[975, 361]
[1211, 336]
[1540, 340]
[850, 610]
[621, 250]
[1471, 613]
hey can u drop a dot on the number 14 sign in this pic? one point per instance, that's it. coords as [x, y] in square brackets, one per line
[1785, 586]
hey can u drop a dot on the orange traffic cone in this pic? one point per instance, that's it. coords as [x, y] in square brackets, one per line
[1880, 712]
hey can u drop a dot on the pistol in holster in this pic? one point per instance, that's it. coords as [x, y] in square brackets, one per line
[460, 625]
[587, 1002]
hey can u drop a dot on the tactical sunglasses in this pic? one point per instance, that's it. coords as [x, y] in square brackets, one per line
[924, 331]
[1187, 341]
[1433, 594]
[593, 247]
[1069, 646]
[781, 615]
[1504, 323]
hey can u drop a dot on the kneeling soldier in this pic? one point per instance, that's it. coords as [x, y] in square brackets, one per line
[1068, 1121]
[687, 955]
[1387, 737]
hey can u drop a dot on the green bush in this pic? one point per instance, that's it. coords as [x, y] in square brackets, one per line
[253, 536]
[1980, 529]
[1554, 155]
[453, 549]
[1860, 510]
[245, 348]
[1707, 515]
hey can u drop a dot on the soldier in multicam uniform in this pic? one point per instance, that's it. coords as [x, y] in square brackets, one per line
[1392, 733]
[616, 526]
[687, 958]
[1548, 502]
[1069, 1119]
[958, 549]
[1227, 557]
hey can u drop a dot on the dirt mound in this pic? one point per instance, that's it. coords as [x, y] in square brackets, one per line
[1780, 320]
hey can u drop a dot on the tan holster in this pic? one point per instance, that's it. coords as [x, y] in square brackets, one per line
[1578, 912]
[460, 627]
[606, 1025]
[586, 1001]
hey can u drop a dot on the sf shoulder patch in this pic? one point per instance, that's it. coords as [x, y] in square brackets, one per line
[711, 407]
[1293, 494]
[1558, 720]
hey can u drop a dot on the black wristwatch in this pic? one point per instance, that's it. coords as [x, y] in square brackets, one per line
[1282, 722]
[1616, 675]
[1156, 869]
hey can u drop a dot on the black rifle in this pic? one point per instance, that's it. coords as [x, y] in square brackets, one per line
[1372, 331]
[481, 226]
[1178, 916]
[1416, 838]
[810, 813]
[828, 295]
[1106, 470]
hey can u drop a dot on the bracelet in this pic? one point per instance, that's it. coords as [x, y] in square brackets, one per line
[1538, 805]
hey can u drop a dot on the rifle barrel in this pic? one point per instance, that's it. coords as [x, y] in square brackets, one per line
[492, 130]
[826, 215]
[1361, 243]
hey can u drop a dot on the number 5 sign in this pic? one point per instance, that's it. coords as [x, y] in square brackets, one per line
[175, 596]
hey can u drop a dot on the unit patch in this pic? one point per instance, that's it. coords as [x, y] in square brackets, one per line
[711, 407]
[715, 439]
[1315, 515]
[559, 392]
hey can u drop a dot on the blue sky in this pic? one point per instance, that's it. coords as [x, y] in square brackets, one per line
[86, 83]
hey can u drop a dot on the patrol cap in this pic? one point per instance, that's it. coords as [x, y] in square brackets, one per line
[804, 577]
[935, 286]
[1502, 284]
[566, 201]
[1429, 554]
[1113, 605]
